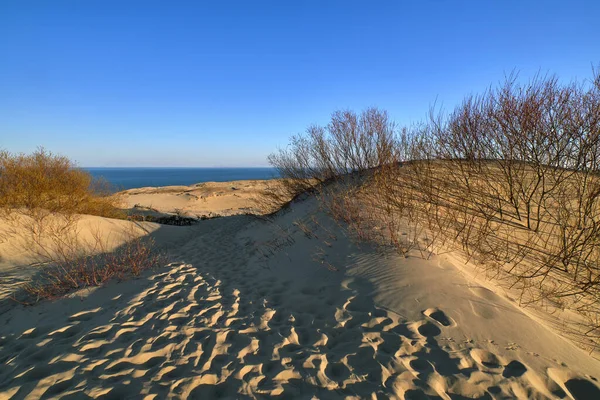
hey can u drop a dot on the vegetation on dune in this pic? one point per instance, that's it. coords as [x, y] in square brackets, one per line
[78, 265]
[46, 183]
[43, 199]
[509, 179]
[349, 143]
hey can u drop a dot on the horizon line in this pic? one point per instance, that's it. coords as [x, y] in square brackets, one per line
[89, 167]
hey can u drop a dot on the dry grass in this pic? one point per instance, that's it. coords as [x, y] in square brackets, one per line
[67, 272]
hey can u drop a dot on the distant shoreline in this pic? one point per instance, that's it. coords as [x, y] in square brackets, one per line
[95, 168]
[125, 178]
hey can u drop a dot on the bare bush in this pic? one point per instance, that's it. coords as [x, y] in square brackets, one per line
[510, 179]
[521, 166]
[72, 268]
[74, 254]
[350, 143]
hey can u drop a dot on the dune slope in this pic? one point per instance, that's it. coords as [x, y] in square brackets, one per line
[20, 258]
[252, 308]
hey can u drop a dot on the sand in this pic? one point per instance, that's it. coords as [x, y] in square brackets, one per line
[291, 307]
[203, 199]
[19, 261]
[210, 199]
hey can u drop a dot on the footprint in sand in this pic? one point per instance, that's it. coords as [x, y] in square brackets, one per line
[85, 315]
[484, 308]
[486, 359]
[65, 332]
[582, 389]
[577, 387]
[29, 334]
[428, 329]
[421, 366]
[337, 371]
[34, 354]
[514, 369]
[439, 316]
[483, 292]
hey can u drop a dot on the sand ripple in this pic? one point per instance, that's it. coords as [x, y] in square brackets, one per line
[188, 334]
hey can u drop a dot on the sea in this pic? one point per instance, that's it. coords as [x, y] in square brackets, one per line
[131, 178]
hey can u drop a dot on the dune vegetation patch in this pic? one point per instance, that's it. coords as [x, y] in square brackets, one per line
[43, 183]
[508, 180]
[63, 220]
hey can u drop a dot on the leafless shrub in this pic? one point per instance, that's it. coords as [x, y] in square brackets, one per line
[350, 143]
[510, 178]
[71, 269]
[520, 168]
[277, 195]
[282, 238]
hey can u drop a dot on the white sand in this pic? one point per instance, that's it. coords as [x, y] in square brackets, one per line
[253, 309]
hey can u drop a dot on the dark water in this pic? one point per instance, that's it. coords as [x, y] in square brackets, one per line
[130, 178]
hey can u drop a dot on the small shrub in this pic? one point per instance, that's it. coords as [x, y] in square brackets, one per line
[42, 183]
[71, 272]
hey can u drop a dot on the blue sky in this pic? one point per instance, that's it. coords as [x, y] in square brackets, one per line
[223, 83]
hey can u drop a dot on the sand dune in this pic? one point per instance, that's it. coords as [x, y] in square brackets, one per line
[290, 307]
[19, 259]
[202, 199]
[18, 262]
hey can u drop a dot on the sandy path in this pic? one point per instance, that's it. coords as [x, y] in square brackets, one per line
[249, 309]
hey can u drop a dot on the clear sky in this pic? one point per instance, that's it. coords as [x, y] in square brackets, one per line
[223, 83]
